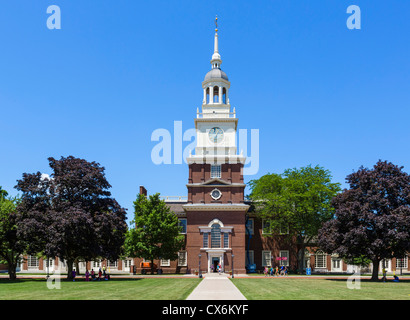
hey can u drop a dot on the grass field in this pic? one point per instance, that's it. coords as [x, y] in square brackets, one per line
[115, 289]
[320, 289]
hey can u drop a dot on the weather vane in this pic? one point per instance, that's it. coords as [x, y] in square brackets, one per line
[216, 24]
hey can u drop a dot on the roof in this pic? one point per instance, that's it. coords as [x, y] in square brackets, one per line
[216, 73]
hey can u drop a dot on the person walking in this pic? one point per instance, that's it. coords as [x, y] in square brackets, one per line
[384, 274]
[73, 274]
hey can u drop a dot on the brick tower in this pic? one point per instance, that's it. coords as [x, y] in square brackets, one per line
[215, 210]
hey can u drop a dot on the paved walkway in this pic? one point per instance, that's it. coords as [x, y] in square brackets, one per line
[216, 287]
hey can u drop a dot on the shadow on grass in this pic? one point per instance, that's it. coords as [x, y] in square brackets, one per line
[369, 280]
[27, 280]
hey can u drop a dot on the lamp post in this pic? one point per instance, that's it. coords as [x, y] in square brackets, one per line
[199, 272]
[233, 276]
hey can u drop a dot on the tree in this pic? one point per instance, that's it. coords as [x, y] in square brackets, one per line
[71, 214]
[11, 246]
[156, 234]
[298, 201]
[372, 218]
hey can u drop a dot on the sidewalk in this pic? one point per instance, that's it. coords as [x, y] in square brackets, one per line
[216, 287]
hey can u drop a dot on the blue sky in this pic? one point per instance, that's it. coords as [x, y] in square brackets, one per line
[318, 92]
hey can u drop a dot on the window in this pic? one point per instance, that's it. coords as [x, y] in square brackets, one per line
[249, 257]
[206, 236]
[215, 171]
[266, 258]
[284, 254]
[182, 259]
[320, 259]
[127, 263]
[336, 263]
[182, 224]
[249, 226]
[216, 236]
[165, 262]
[402, 262]
[97, 264]
[226, 240]
[113, 264]
[266, 226]
[32, 262]
[284, 229]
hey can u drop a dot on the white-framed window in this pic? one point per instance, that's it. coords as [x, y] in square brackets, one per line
[32, 262]
[284, 254]
[266, 258]
[402, 263]
[251, 256]
[320, 259]
[206, 240]
[127, 263]
[215, 170]
[97, 264]
[266, 227]
[249, 226]
[165, 262]
[226, 240]
[284, 229]
[182, 224]
[216, 236]
[113, 264]
[182, 258]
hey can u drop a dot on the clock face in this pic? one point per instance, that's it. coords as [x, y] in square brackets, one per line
[216, 194]
[216, 135]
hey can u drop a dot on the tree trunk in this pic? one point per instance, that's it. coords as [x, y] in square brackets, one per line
[375, 271]
[70, 269]
[12, 271]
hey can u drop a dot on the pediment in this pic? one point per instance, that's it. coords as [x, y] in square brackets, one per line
[216, 182]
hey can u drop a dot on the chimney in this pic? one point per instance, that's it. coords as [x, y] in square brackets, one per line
[143, 191]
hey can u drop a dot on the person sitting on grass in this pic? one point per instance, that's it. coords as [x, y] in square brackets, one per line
[87, 275]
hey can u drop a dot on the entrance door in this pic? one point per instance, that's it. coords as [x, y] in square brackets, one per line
[214, 263]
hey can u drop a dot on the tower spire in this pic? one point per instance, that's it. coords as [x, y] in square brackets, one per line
[216, 57]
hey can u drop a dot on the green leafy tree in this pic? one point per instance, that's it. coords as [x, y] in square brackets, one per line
[11, 246]
[156, 234]
[295, 204]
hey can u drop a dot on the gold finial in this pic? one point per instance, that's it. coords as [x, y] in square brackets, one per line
[216, 24]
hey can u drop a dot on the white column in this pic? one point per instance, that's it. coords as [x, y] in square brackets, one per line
[204, 101]
[220, 95]
[211, 95]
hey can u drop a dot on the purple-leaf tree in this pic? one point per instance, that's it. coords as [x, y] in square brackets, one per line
[372, 218]
[71, 214]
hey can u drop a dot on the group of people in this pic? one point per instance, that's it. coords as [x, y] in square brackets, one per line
[270, 271]
[102, 275]
[384, 278]
[218, 268]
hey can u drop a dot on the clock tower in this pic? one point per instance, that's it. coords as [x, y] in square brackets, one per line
[215, 210]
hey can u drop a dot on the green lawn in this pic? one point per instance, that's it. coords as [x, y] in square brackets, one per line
[115, 289]
[320, 289]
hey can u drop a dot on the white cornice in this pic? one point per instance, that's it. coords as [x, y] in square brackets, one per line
[212, 159]
[216, 206]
